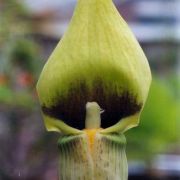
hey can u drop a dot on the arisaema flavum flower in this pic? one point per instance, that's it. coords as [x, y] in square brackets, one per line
[93, 89]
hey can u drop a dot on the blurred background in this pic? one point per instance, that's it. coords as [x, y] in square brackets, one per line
[29, 31]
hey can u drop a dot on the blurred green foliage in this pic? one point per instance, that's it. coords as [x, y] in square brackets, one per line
[159, 126]
[22, 99]
[20, 62]
[12, 20]
[24, 54]
[19, 73]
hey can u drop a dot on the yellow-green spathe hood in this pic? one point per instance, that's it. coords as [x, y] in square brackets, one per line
[98, 59]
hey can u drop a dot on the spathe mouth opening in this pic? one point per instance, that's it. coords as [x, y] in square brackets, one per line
[71, 109]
